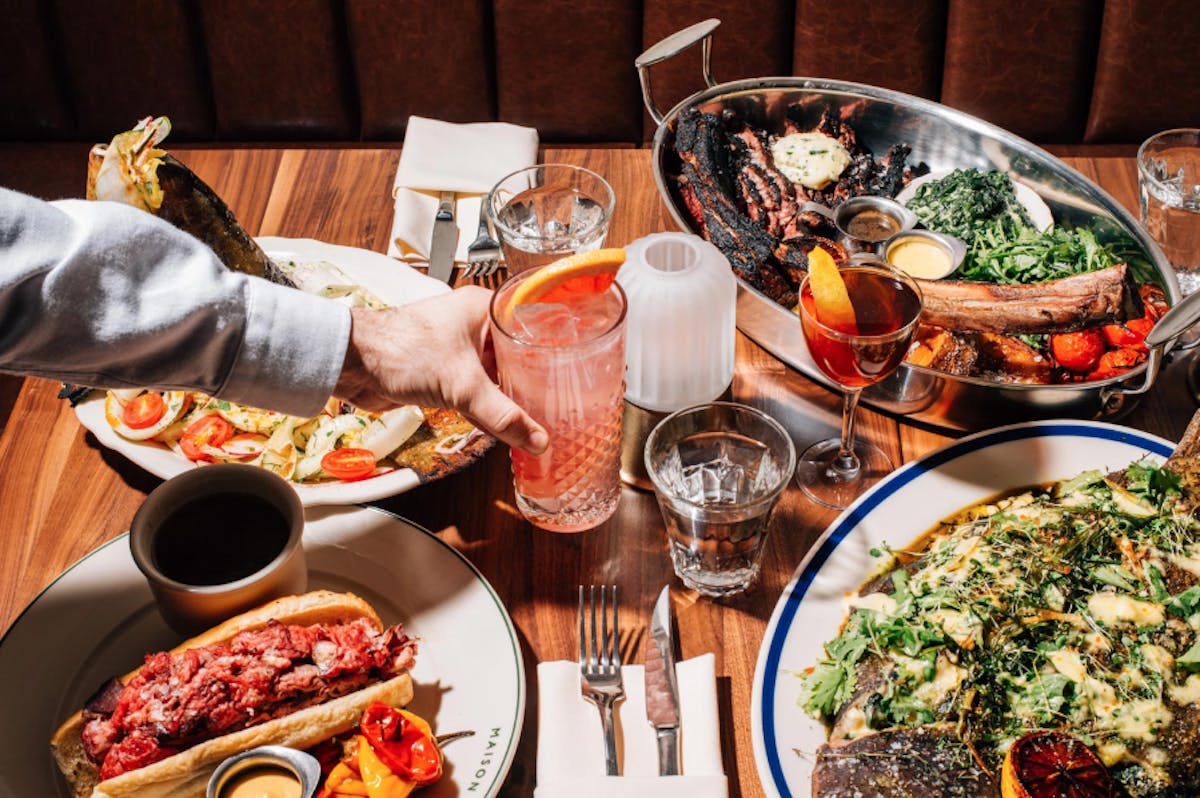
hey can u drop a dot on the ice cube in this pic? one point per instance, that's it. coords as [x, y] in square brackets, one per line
[719, 481]
[585, 214]
[546, 323]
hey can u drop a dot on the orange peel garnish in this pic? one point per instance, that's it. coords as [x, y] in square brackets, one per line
[582, 273]
[830, 298]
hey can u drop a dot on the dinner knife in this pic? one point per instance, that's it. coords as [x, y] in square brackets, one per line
[445, 239]
[662, 693]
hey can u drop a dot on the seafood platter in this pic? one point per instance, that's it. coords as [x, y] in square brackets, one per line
[1039, 288]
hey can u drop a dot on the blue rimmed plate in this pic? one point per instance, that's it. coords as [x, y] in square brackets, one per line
[97, 619]
[896, 511]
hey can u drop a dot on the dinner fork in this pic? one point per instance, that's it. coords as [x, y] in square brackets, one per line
[600, 665]
[483, 254]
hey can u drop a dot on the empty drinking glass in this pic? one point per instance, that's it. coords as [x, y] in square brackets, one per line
[718, 470]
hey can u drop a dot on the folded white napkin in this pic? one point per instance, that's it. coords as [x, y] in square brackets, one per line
[570, 756]
[467, 159]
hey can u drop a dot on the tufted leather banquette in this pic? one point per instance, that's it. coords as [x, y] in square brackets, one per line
[1059, 72]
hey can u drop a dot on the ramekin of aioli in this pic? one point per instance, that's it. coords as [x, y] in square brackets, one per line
[924, 254]
[270, 771]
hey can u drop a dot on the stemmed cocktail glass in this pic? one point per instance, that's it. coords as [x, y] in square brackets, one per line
[856, 344]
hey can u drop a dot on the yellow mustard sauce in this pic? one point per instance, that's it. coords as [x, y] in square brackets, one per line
[263, 782]
[920, 258]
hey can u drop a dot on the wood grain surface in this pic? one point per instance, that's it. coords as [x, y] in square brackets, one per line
[62, 494]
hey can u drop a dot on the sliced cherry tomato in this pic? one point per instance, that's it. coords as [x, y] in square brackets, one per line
[1077, 351]
[349, 464]
[403, 742]
[210, 430]
[144, 410]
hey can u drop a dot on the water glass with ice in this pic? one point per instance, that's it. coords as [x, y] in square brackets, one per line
[549, 211]
[1169, 185]
[718, 470]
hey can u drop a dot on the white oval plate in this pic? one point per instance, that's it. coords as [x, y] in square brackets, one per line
[391, 280]
[906, 504]
[1035, 206]
[98, 618]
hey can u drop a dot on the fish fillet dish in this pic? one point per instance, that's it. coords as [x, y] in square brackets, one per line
[1071, 608]
[1033, 306]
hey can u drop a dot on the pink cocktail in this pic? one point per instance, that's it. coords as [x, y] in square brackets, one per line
[563, 361]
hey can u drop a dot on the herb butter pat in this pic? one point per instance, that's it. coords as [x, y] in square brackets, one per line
[813, 160]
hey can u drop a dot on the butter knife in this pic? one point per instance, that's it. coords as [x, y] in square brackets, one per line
[445, 239]
[662, 694]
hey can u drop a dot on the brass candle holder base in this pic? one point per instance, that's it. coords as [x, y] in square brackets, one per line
[636, 424]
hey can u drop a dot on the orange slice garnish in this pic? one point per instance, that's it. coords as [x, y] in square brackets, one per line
[830, 298]
[582, 273]
[1052, 764]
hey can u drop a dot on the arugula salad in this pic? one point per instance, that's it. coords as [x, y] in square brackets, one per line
[1003, 245]
[1074, 606]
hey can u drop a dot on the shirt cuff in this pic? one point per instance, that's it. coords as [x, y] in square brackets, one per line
[292, 350]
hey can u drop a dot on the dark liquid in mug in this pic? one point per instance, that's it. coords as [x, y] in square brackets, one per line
[219, 538]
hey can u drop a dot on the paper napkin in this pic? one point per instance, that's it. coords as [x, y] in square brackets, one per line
[570, 756]
[467, 159]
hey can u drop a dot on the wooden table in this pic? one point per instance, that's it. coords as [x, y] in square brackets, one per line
[62, 494]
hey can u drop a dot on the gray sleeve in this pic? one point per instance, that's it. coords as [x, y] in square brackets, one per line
[101, 294]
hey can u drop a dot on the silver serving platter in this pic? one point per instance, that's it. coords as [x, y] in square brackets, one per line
[943, 138]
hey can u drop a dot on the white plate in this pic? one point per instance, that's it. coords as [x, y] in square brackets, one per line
[98, 618]
[909, 502]
[1035, 206]
[392, 281]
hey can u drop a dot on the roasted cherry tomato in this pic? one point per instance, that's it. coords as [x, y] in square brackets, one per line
[210, 430]
[1117, 335]
[1077, 351]
[403, 742]
[144, 410]
[1154, 300]
[1116, 361]
[349, 464]
[1141, 327]
[1131, 333]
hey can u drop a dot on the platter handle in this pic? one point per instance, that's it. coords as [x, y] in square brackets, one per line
[1112, 397]
[670, 47]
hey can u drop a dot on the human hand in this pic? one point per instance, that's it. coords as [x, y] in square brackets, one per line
[434, 353]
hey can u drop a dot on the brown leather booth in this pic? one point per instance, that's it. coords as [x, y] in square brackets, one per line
[1059, 72]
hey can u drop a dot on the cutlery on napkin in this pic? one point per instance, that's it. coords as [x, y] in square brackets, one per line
[569, 757]
[467, 159]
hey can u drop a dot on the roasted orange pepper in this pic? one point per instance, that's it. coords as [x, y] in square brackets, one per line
[395, 754]
[343, 780]
[380, 780]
